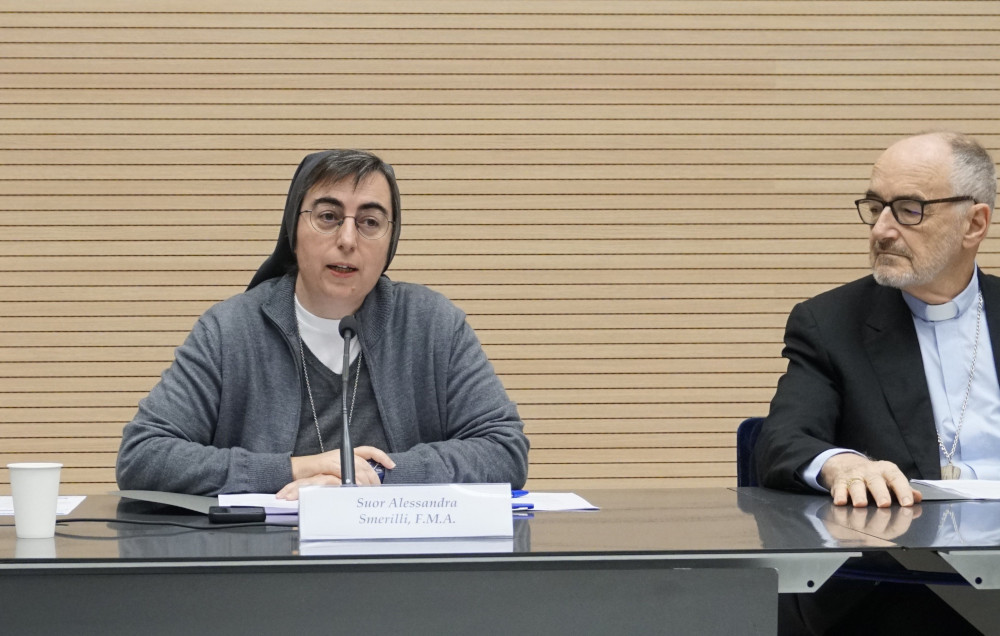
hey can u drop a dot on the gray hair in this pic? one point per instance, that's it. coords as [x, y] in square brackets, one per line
[973, 172]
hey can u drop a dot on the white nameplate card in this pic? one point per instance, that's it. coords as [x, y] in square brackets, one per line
[405, 512]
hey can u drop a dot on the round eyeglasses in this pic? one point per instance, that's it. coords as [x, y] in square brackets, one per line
[905, 211]
[370, 224]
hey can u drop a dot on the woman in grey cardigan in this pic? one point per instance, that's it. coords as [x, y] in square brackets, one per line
[252, 400]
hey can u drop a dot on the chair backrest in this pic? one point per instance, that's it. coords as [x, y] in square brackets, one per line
[746, 439]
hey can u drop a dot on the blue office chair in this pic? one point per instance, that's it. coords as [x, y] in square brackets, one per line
[746, 439]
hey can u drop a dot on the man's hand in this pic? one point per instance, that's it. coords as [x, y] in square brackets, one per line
[852, 477]
[324, 469]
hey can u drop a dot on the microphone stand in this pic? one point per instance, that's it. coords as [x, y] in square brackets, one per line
[348, 329]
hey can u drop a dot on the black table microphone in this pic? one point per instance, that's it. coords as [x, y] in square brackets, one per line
[348, 330]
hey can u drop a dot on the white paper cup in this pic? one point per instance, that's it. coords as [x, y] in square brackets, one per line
[35, 490]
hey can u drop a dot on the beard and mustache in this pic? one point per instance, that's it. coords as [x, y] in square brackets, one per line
[894, 264]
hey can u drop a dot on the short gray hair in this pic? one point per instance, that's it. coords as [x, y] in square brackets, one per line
[973, 172]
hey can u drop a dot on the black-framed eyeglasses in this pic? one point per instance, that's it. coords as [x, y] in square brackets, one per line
[370, 224]
[905, 211]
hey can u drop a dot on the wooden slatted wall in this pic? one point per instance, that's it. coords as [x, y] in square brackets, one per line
[627, 197]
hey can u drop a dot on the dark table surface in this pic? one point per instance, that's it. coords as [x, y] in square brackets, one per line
[630, 521]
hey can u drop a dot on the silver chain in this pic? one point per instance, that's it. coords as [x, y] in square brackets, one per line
[949, 514]
[354, 396]
[968, 389]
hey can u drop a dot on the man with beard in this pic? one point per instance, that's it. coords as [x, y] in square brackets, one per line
[894, 376]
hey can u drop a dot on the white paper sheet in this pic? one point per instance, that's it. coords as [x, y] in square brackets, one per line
[64, 506]
[550, 501]
[271, 504]
[945, 489]
[554, 501]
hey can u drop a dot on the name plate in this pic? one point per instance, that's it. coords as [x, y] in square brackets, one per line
[405, 512]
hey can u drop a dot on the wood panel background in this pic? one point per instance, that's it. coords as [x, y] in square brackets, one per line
[626, 197]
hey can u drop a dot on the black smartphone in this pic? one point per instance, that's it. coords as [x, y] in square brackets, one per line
[236, 514]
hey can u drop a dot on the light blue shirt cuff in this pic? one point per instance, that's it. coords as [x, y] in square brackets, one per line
[810, 474]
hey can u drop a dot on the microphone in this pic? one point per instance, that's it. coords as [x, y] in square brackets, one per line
[348, 330]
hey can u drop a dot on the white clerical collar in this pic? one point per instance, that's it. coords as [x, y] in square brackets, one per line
[946, 311]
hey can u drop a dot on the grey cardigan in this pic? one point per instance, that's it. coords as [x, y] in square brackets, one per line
[224, 416]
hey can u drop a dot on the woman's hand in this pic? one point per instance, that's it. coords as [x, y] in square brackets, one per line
[324, 469]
